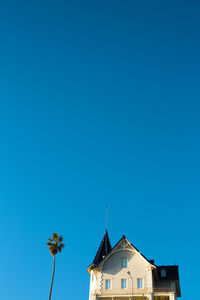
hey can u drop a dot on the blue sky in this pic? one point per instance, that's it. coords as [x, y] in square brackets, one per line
[99, 106]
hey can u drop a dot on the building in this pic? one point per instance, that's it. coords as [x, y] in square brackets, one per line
[123, 273]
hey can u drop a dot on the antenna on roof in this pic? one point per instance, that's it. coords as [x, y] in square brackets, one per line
[106, 217]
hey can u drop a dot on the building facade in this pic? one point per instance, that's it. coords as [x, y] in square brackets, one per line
[123, 273]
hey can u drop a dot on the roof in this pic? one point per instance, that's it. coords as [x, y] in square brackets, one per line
[103, 250]
[99, 258]
[171, 272]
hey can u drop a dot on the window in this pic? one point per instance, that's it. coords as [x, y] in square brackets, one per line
[108, 284]
[163, 273]
[140, 283]
[124, 262]
[124, 283]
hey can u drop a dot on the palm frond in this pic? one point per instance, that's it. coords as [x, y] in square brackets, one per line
[55, 244]
[55, 236]
[48, 244]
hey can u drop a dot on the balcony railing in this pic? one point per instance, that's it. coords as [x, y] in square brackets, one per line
[163, 290]
[123, 291]
[133, 291]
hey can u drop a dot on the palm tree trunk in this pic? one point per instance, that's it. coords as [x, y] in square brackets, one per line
[54, 259]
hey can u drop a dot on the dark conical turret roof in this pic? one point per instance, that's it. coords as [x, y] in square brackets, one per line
[104, 249]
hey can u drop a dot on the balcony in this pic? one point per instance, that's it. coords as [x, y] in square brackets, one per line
[124, 291]
[114, 292]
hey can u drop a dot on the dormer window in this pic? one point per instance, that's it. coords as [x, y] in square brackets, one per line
[163, 273]
[124, 262]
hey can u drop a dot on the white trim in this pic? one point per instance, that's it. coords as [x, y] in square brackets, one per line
[118, 250]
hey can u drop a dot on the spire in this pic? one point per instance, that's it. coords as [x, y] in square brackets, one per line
[104, 249]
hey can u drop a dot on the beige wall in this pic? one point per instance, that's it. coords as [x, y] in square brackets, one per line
[137, 266]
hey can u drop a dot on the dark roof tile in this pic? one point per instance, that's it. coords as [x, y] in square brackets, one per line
[171, 272]
[103, 250]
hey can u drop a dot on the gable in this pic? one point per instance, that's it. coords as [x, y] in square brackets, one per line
[136, 263]
[112, 268]
[121, 247]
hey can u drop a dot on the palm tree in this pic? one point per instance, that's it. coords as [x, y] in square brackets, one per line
[55, 245]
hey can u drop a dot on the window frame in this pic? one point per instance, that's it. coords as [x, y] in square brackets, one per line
[124, 262]
[125, 281]
[110, 286]
[140, 283]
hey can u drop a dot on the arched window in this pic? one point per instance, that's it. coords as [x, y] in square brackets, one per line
[163, 273]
